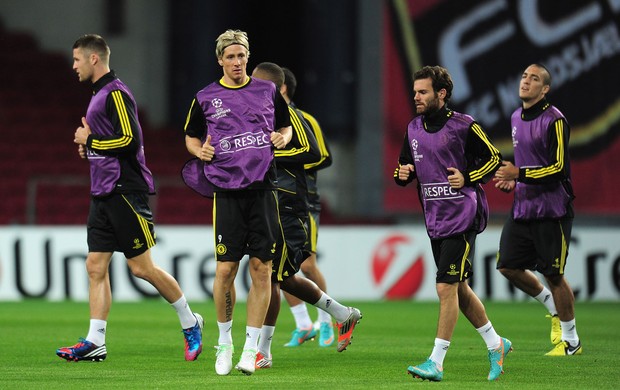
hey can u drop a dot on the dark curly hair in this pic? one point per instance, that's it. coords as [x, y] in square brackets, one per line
[440, 77]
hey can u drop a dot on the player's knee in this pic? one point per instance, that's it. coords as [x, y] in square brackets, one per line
[508, 273]
[138, 270]
[261, 274]
[555, 281]
[96, 270]
[309, 271]
[226, 271]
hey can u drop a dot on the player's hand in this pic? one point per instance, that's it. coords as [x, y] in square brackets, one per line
[278, 140]
[507, 171]
[82, 151]
[504, 185]
[404, 171]
[81, 134]
[207, 152]
[455, 178]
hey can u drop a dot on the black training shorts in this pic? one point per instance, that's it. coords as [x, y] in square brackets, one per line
[289, 257]
[537, 245]
[454, 257]
[120, 223]
[245, 222]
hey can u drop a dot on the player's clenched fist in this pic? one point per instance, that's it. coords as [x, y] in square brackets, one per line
[404, 171]
[277, 140]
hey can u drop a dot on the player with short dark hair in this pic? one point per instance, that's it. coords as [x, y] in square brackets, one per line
[537, 234]
[119, 218]
[304, 328]
[292, 243]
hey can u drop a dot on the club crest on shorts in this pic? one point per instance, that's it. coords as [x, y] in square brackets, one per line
[221, 249]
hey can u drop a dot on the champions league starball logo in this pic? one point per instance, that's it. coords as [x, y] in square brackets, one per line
[514, 137]
[219, 111]
[414, 146]
[395, 269]
[216, 102]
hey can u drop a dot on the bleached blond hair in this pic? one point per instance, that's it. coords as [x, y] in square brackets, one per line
[231, 37]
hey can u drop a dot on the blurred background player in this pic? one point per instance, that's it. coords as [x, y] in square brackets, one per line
[537, 234]
[222, 117]
[119, 218]
[304, 329]
[292, 245]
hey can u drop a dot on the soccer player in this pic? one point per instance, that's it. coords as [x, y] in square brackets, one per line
[304, 329]
[232, 126]
[119, 218]
[450, 156]
[292, 244]
[537, 234]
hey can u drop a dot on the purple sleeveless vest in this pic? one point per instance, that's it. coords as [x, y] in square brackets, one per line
[447, 211]
[106, 170]
[240, 122]
[531, 144]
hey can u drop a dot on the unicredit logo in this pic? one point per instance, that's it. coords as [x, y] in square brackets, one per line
[396, 268]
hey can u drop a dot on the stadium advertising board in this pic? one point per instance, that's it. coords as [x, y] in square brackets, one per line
[391, 262]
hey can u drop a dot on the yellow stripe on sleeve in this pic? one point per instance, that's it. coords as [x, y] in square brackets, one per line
[492, 163]
[318, 134]
[123, 117]
[189, 114]
[298, 128]
[558, 166]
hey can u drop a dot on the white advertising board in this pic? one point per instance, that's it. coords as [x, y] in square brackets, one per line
[359, 263]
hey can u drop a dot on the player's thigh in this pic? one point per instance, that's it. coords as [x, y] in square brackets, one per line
[291, 249]
[454, 257]
[263, 225]
[132, 221]
[230, 227]
[552, 241]
[516, 246]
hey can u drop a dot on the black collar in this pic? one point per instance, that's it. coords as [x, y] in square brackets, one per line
[103, 81]
[435, 121]
[533, 112]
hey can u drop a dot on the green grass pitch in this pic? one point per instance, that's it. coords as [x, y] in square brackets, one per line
[145, 349]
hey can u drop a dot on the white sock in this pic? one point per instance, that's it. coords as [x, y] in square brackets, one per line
[186, 316]
[546, 299]
[490, 336]
[96, 332]
[569, 332]
[323, 316]
[251, 338]
[225, 333]
[439, 351]
[333, 307]
[264, 343]
[302, 318]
